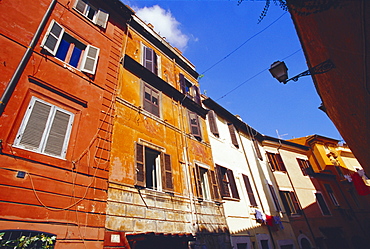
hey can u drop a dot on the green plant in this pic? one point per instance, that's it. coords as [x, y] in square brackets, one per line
[39, 241]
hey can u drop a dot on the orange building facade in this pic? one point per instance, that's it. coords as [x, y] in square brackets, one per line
[56, 118]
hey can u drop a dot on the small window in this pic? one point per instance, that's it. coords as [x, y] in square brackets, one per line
[232, 131]
[248, 186]
[97, 16]
[151, 100]
[189, 89]
[322, 204]
[227, 181]
[194, 125]
[206, 184]
[212, 120]
[276, 162]
[274, 197]
[331, 195]
[290, 203]
[305, 166]
[257, 149]
[45, 129]
[153, 169]
[68, 49]
[150, 60]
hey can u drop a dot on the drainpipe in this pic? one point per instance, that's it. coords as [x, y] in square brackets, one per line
[18, 72]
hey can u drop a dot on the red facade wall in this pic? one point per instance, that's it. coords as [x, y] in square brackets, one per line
[62, 196]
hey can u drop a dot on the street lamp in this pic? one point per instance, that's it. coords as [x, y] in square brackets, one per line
[279, 70]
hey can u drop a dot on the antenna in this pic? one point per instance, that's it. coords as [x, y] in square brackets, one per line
[280, 136]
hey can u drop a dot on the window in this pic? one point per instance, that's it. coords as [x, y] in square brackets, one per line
[257, 149]
[206, 184]
[265, 244]
[194, 125]
[66, 48]
[331, 195]
[151, 100]
[153, 169]
[274, 197]
[276, 162]
[150, 60]
[189, 89]
[45, 129]
[212, 120]
[305, 166]
[242, 245]
[248, 186]
[233, 135]
[97, 16]
[227, 181]
[322, 204]
[290, 203]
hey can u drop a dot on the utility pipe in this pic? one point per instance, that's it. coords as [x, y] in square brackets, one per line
[27, 55]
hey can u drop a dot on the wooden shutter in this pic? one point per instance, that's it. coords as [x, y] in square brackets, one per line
[102, 18]
[155, 102]
[271, 158]
[167, 181]
[52, 37]
[233, 135]
[257, 149]
[197, 179]
[149, 59]
[58, 134]
[182, 83]
[194, 124]
[212, 119]
[214, 188]
[248, 186]
[81, 6]
[280, 162]
[224, 188]
[197, 95]
[90, 59]
[140, 165]
[35, 126]
[274, 197]
[232, 184]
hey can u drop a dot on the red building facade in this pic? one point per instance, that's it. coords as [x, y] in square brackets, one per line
[56, 118]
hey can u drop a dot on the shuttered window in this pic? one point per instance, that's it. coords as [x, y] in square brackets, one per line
[250, 193]
[274, 197]
[212, 120]
[189, 89]
[331, 194]
[322, 204]
[97, 16]
[257, 149]
[276, 162]
[227, 181]
[233, 135]
[150, 60]
[45, 129]
[305, 166]
[68, 49]
[194, 125]
[151, 100]
[167, 181]
[290, 203]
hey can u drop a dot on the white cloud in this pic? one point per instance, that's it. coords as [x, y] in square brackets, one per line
[164, 24]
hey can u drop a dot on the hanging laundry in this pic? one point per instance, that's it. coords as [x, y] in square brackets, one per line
[260, 217]
[360, 186]
[278, 222]
[270, 220]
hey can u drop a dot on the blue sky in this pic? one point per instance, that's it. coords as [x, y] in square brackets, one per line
[225, 43]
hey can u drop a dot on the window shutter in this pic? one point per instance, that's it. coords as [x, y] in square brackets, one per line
[56, 142]
[198, 182]
[194, 124]
[140, 165]
[214, 188]
[167, 181]
[90, 59]
[248, 186]
[102, 18]
[233, 135]
[35, 127]
[155, 103]
[197, 95]
[148, 59]
[182, 83]
[81, 6]
[257, 149]
[274, 197]
[271, 159]
[280, 162]
[232, 184]
[52, 37]
[221, 178]
[212, 119]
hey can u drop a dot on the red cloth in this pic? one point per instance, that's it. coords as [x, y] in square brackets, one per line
[270, 220]
[360, 186]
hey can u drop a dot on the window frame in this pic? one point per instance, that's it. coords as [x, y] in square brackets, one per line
[248, 186]
[100, 17]
[195, 128]
[156, 60]
[150, 106]
[276, 162]
[46, 132]
[85, 57]
[212, 121]
[331, 194]
[227, 182]
[290, 203]
[305, 166]
[212, 188]
[320, 202]
[189, 89]
[233, 131]
[274, 197]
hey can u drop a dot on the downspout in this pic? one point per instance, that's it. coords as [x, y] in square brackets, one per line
[27, 55]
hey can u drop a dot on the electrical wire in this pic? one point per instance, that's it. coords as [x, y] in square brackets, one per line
[236, 49]
[254, 76]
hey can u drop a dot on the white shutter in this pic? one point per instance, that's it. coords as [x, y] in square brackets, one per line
[102, 18]
[57, 139]
[52, 37]
[81, 6]
[90, 59]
